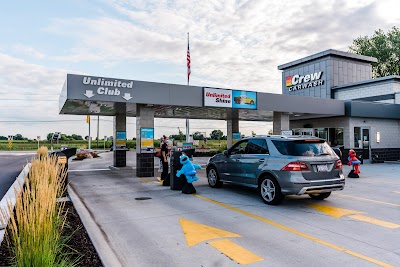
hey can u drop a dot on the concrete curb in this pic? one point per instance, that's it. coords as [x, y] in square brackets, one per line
[10, 197]
[97, 235]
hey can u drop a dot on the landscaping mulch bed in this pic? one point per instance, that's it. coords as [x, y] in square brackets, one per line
[79, 241]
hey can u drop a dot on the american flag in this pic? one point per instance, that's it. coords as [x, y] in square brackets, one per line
[188, 61]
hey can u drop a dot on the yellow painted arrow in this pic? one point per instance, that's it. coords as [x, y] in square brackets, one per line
[337, 213]
[197, 232]
[333, 211]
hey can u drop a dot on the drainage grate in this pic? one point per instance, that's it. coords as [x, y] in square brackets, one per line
[142, 198]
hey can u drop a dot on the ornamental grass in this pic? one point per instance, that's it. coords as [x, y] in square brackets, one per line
[37, 220]
[42, 152]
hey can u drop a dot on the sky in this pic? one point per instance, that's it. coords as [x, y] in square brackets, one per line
[234, 44]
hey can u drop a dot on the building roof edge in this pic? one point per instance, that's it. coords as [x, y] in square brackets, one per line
[326, 53]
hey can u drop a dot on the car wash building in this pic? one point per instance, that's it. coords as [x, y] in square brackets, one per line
[371, 124]
[330, 95]
[121, 98]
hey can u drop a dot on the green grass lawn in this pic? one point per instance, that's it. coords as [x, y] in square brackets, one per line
[18, 145]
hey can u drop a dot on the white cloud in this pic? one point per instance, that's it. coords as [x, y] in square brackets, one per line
[234, 44]
[28, 51]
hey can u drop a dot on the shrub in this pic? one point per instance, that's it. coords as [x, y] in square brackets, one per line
[94, 154]
[82, 154]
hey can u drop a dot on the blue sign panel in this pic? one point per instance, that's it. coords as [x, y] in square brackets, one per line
[147, 133]
[120, 135]
[244, 99]
[146, 140]
[235, 136]
[120, 140]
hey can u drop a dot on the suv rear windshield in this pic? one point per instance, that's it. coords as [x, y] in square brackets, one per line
[308, 148]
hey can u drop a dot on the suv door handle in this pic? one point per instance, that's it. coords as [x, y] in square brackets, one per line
[261, 160]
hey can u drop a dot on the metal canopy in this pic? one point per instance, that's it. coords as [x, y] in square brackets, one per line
[81, 96]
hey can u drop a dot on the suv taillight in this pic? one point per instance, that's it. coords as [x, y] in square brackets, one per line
[295, 166]
[338, 164]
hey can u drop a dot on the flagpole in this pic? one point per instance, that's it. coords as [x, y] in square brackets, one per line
[188, 74]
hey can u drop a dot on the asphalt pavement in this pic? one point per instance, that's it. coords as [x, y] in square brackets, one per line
[11, 164]
[135, 221]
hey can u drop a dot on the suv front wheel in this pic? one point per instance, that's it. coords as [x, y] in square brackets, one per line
[270, 191]
[213, 178]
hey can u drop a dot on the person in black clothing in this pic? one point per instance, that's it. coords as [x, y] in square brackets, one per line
[164, 159]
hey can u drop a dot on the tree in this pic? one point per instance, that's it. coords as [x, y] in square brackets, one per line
[49, 136]
[19, 137]
[76, 137]
[3, 137]
[217, 135]
[385, 47]
[64, 137]
[198, 136]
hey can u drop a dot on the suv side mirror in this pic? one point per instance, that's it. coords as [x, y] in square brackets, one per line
[225, 152]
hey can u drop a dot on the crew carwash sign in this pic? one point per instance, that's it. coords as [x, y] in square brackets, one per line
[298, 82]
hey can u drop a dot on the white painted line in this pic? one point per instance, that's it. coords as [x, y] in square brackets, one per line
[10, 197]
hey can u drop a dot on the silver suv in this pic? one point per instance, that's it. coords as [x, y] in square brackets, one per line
[279, 166]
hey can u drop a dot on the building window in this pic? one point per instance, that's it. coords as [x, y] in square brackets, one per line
[321, 133]
[334, 136]
[357, 137]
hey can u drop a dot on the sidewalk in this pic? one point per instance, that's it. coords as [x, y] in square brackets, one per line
[132, 221]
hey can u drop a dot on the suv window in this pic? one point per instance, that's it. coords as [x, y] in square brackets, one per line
[257, 146]
[303, 147]
[239, 148]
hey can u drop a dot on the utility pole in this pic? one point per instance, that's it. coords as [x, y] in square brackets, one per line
[88, 122]
[98, 126]
[188, 75]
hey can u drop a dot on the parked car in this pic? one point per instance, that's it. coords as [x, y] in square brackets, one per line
[279, 166]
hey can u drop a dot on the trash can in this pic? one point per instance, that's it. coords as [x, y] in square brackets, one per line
[177, 183]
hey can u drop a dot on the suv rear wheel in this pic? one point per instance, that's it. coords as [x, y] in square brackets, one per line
[213, 178]
[270, 191]
[320, 196]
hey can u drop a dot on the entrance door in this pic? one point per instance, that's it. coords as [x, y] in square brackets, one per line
[365, 142]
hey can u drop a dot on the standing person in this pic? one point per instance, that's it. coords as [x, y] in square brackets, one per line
[164, 159]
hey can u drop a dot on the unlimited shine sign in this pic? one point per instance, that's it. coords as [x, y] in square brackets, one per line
[229, 98]
[217, 97]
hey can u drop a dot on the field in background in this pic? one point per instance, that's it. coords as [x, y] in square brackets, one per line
[18, 145]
